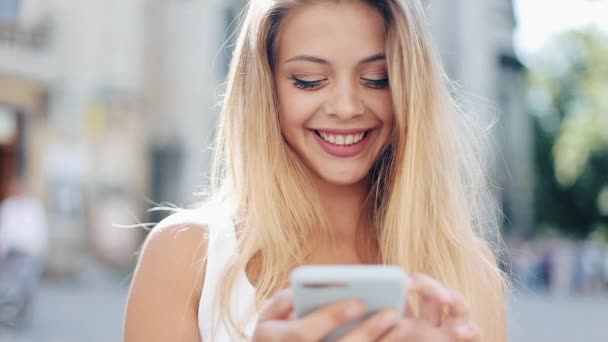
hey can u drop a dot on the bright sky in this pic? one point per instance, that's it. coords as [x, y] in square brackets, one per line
[539, 19]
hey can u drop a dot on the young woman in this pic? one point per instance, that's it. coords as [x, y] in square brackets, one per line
[338, 143]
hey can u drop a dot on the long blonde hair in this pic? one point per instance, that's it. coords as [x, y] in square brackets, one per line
[429, 198]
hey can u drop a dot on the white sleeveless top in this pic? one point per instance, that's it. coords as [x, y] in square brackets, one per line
[221, 246]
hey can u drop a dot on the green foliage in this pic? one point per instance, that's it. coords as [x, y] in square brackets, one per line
[568, 97]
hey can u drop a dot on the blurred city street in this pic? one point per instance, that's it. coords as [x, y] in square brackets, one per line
[558, 318]
[91, 309]
[107, 109]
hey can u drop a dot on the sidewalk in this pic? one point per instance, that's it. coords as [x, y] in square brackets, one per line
[89, 309]
[557, 318]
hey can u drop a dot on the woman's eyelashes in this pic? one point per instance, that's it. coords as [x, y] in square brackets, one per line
[306, 85]
[374, 83]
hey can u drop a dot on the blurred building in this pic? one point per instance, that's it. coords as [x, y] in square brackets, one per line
[475, 39]
[186, 63]
[72, 71]
[118, 99]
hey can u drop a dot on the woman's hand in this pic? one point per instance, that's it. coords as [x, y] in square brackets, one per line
[443, 315]
[277, 321]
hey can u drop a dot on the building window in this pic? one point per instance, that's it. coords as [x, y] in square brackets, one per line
[9, 10]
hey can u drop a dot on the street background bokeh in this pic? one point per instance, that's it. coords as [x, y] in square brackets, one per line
[107, 108]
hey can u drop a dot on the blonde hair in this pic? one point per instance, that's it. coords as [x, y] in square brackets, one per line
[429, 201]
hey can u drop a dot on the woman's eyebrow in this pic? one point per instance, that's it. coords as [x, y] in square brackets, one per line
[319, 60]
[374, 58]
[307, 58]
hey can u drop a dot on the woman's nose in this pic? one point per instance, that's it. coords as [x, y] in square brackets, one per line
[346, 101]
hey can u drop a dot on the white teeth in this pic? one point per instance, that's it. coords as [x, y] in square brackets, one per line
[358, 138]
[342, 139]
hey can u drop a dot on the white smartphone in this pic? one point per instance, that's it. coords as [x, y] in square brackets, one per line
[378, 286]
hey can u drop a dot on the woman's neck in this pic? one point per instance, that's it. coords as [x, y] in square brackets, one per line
[348, 227]
[344, 206]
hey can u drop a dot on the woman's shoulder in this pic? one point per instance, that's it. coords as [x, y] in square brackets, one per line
[169, 275]
[202, 215]
[179, 234]
[186, 232]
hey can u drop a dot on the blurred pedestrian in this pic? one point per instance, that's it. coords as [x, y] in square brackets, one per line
[23, 245]
[592, 266]
[605, 267]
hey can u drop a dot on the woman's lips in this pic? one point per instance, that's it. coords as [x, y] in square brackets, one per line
[343, 143]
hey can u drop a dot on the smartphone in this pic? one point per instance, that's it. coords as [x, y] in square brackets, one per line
[378, 286]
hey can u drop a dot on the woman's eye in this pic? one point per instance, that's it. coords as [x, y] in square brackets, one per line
[376, 83]
[306, 85]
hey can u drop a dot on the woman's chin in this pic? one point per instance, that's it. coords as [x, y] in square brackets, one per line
[342, 178]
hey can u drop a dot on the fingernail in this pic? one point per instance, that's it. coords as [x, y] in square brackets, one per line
[354, 310]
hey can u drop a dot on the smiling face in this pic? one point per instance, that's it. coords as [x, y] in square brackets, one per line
[335, 106]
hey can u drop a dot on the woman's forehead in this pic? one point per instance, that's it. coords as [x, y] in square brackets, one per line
[332, 30]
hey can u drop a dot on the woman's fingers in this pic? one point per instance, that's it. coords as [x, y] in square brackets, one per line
[438, 302]
[457, 308]
[277, 321]
[278, 307]
[416, 330]
[320, 323]
[373, 328]
[443, 316]
[462, 331]
[409, 312]
[457, 321]
[433, 297]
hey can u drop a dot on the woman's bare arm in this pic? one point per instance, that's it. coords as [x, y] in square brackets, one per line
[165, 291]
